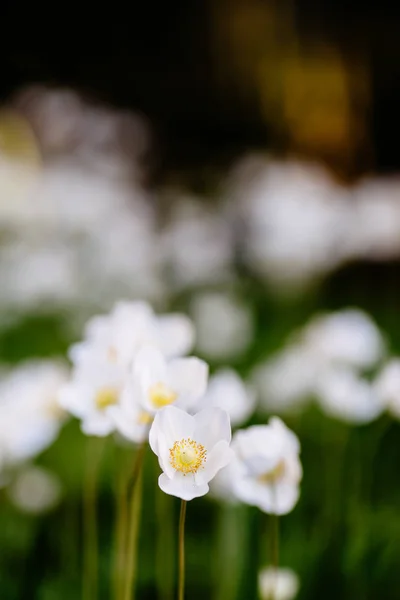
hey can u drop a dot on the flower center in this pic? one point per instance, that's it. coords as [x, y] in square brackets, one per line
[160, 395]
[144, 418]
[187, 456]
[272, 476]
[106, 396]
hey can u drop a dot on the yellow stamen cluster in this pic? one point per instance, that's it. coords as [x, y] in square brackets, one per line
[144, 418]
[160, 395]
[106, 396]
[272, 476]
[187, 456]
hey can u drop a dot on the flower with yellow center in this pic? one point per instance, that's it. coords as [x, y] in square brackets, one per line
[158, 382]
[266, 469]
[190, 449]
[187, 456]
[107, 396]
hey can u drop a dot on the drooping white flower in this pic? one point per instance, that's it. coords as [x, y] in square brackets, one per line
[224, 325]
[348, 336]
[35, 490]
[266, 467]
[190, 449]
[158, 382]
[345, 395]
[387, 387]
[228, 391]
[30, 417]
[118, 336]
[278, 584]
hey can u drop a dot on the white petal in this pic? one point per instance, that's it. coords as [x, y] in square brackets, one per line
[182, 486]
[97, 425]
[149, 366]
[212, 425]
[128, 424]
[188, 378]
[176, 334]
[170, 425]
[217, 459]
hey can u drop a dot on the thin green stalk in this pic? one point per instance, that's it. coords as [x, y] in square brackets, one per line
[274, 537]
[90, 558]
[165, 544]
[133, 526]
[181, 580]
[121, 528]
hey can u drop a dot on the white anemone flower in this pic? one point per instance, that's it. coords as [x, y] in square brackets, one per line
[228, 391]
[277, 584]
[118, 335]
[30, 417]
[348, 336]
[387, 387]
[346, 396]
[224, 325]
[190, 449]
[266, 468]
[157, 382]
[90, 394]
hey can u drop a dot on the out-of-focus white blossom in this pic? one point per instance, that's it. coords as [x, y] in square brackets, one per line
[30, 417]
[197, 245]
[348, 336]
[35, 490]
[190, 449]
[286, 380]
[266, 469]
[224, 325]
[228, 391]
[345, 395]
[387, 387]
[278, 584]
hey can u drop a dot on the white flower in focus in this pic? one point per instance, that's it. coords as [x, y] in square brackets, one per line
[267, 467]
[344, 395]
[387, 387]
[30, 417]
[157, 382]
[224, 325]
[35, 490]
[228, 391]
[348, 336]
[277, 584]
[118, 336]
[190, 449]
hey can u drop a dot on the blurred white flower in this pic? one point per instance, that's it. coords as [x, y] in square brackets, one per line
[278, 584]
[224, 325]
[347, 336]
[345, 395]
[190, 449]
[228, 391]
[387, 387]
[197, 245]
[266, 468]
[35, 490]
[30, 417]
[287, 380]
[158, 383]
[119, 335]
[92, 390]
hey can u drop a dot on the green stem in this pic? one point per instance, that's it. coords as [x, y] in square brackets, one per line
[181, 584]
[90, 558]
[121, 528]
[165, 543]
[274, 536]
[133, 526]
